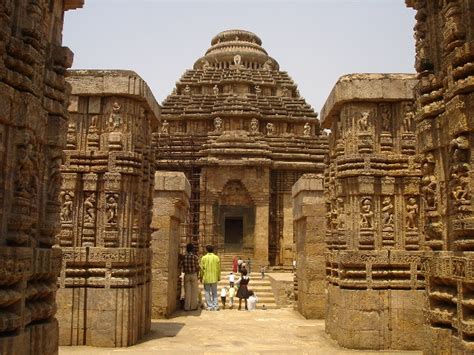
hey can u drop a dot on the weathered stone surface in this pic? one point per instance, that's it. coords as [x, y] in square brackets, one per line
[33, 116]
[309, 211]
[374, 222]
[170, 206]
[106, 202]
[444, 35]
[237, 126]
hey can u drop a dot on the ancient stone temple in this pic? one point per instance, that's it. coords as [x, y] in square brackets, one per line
[444, 35]
[238, 127]
[33, 115]
[374, 219]
[104, 297]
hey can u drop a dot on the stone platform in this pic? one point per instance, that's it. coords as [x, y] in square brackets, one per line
[278, 331]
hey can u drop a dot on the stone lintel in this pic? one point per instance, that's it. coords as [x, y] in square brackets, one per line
[113, 83]
[366, 87]
[172, 181]
[308, 182]
[73, 4]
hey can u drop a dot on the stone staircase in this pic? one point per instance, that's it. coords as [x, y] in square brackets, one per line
[261, 287]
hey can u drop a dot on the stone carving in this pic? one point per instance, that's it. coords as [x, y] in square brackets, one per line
[270, 128]
[217, 125]
[429, 182]
[165, 127]
[254, 126]
[115, 119]
[67, 198]
[26, 178]
[408, 118]
[215, 90]
[307, 129]
[206, 65]
[411, 213]
[363, 122]
[387, 212]
[386, 117]
[90, 208]
[258, 91]
[187, 90]
[366, 214]
[54, 184]
[268, 65]
[237, 60]
[460, 167]
[112, 208]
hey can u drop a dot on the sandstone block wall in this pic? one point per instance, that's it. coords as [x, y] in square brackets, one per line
[374, 220]
[104, 296]
[33, 121]
[444, 35]
[170, 206]
[309, 212]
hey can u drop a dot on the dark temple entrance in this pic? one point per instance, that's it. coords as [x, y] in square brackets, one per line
[234, 233]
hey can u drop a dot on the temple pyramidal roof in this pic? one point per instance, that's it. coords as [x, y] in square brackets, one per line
[236, 76]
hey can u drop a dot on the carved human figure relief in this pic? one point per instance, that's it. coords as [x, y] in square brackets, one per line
[26, 176]
[387, 211]
[270, 128]
[367, 215]
[254, 125]
[55, 179]
[268, 65]
[408, 118]
[115, 119]
[165, 127]
[307, 129]
[93, 123]
[237, 59]
[217, 125]
[90, 208]
[460, 168]
[111, 208]
[363, 122]
[67, 199]
[215, 90]
[411, 213]
[206, 65]
[340, 219]
[386, 117]
[258, 91]
[429, 181]
[187, 90]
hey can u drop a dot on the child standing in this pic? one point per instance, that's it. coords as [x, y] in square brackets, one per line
[231, 279]
[231, 296]
[223, 296]
[262, 271]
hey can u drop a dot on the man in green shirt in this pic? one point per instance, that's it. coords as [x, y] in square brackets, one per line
[210, 275]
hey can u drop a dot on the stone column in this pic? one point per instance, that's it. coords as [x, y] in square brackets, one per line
[309, 215]
[374, 220]
[170, 206]
[444, 35]
[33, 121]
[287, 247]
[106, 199]
[261, 235]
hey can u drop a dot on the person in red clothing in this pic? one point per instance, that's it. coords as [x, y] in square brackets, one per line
[235, 265]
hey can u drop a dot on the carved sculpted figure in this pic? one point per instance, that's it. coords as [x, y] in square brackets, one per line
[258, 91]
[89, 208]
[165, 127]
[217, 124]
[268, 65]
[409, 118]
[55, 179]
[460, 181]
[307, 129]
[429, 182]
[237, 60]
[254, 125]
[270, 128]
[340, 213]
[112, 207]
[367, 214]
[412, 213]
[115, 119]
[26, 179]
[385, 113]
[363, 122]
[215, 90]
[387, 211]
[187, 90]
[66, 208]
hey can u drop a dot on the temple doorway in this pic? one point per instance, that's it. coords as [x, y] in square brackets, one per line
[234, 233]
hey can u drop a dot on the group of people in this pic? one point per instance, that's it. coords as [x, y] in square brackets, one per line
[208, 271]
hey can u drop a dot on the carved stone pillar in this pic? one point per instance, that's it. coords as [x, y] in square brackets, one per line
[170, 205]
[309, 212]
[374, 218]
[104, 297]
[33, 123]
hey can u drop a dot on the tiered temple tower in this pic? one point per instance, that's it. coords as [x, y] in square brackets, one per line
[238, 127]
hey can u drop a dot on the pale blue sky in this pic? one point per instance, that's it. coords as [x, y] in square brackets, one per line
[315, 41]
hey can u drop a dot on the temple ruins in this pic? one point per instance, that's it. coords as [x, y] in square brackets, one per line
[101, 188]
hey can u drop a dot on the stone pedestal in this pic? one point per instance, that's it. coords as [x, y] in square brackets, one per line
[170, 205]
[104, 296]
[33, 121]
[309, 211]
